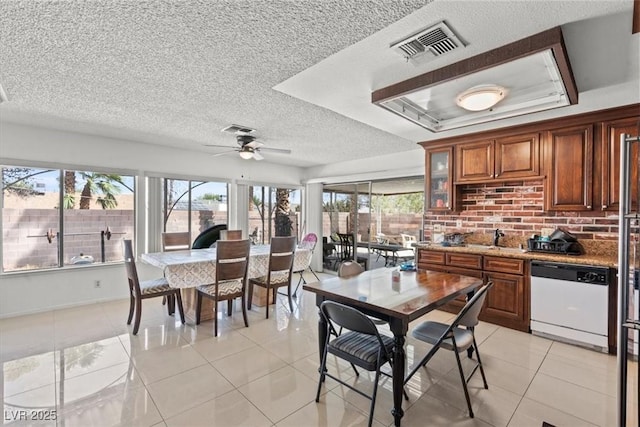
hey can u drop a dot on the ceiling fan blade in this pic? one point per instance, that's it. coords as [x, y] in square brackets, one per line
[223, 153]
[276, 150]
[253, 144]
[257, 155]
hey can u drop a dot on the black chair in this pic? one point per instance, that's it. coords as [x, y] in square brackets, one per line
[363, 346]
[349, 250]
[453, 337]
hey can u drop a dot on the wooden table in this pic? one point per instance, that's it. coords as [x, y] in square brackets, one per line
[190, 268]
[373, 293]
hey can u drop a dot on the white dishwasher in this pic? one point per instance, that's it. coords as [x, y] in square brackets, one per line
[570, 302]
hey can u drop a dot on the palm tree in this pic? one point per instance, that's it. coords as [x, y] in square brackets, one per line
[69, 189]
[102, 185]
[282, 221]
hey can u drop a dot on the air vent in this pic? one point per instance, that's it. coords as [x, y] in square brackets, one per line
[238, 129]
[432, 42]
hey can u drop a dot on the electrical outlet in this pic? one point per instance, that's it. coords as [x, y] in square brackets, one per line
[459, 223]
[97, 284]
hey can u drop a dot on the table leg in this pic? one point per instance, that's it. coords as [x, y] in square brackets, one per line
[398, 376]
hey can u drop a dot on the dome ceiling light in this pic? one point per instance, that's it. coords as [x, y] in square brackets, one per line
[479, 98]
[530, 75]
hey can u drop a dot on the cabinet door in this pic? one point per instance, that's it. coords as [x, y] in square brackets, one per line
[438, 179]
[474, 161]
[464, 260]
[428, 258]
[517, 156]
[611, 132]
[569, 168]
[505, 302]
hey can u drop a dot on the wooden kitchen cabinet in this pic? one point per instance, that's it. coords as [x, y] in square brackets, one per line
[610, 160]
[438, 179]
[569, 168]
[511, 157]
[507, 302]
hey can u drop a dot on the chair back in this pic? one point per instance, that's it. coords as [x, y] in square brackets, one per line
[232, 260]
[176, 241]
[346, 245]
[130, 264]
[468, 316]
[349, 269]
[281, 254]
[309, 241]
[230, 234]
[407, 240]
[348, 318]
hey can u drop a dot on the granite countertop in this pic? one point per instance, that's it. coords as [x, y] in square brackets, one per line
[601, 260]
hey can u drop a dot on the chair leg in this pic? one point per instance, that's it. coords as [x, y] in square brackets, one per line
[131, 306]
[198, 306]
[229, 307]
[250, 296]
[323, 369]
[484, 378]
[215, 317]
[244, 311]
[289, 296]
[171, 305]
[136, 324]
[314, 273]
[464, 381]
[267, 304]
[373, 396]
[180, 308]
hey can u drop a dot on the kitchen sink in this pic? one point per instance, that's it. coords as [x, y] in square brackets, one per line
[494, 248]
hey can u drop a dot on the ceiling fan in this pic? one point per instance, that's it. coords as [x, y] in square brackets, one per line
[249, 147]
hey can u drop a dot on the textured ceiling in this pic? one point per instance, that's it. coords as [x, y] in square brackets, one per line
[176, 72]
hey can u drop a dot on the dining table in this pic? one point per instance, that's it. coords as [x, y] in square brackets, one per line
[375, 293]
[190, 268]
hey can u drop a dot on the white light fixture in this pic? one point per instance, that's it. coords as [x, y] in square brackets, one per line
[479, 98]
[246, 154]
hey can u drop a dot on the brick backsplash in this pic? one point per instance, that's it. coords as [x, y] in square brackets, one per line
[517, 208]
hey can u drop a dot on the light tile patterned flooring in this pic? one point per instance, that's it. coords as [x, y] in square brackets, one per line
[84, 363]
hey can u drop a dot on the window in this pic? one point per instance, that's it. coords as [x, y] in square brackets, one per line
[273, 212]
[53, 218]
[193, 206]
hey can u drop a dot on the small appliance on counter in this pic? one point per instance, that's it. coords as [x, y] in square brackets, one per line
[558, 242]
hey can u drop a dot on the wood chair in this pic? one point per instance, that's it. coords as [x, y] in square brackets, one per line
[231, 235]
[232, 264]
[175, 241]
[145, 289]
[455, 338]
[280, 272]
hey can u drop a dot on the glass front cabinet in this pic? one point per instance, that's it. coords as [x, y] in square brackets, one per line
[438, 183]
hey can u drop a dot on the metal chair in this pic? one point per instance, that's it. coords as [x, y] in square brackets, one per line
[363, 346]
[232, 264]
[279, 274]
[309, 241]
[453, 337]
[146, 289]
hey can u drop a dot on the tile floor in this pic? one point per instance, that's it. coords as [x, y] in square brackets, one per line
[84, 363]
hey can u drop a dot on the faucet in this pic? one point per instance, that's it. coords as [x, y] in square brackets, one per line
[496, 236]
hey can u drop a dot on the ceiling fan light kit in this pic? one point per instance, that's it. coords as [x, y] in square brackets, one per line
[479, 98]
[246, 154]
[249, 147]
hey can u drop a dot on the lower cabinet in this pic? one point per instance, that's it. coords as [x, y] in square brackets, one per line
[507, 303]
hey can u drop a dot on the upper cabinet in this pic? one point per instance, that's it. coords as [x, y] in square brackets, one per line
[610, 154]
[511, 157]
[438, 179]
[569, 168]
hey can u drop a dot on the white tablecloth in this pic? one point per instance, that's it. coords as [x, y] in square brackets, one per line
[195, 267]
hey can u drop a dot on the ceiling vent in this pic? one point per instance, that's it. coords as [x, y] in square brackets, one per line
[238, 129]
[429, 43]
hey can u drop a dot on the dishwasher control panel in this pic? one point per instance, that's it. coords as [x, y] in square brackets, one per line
[570, 272]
